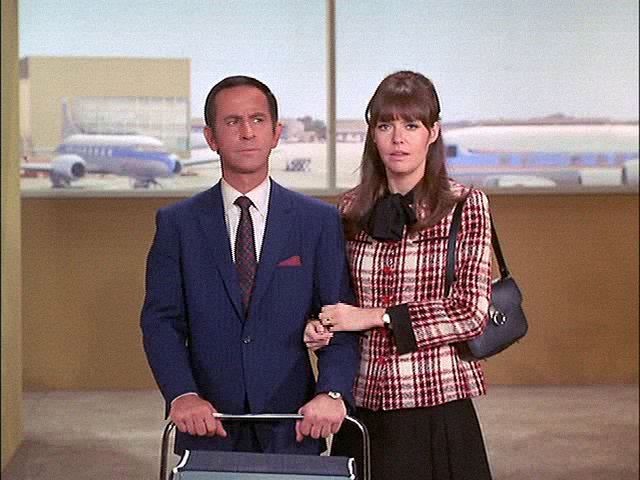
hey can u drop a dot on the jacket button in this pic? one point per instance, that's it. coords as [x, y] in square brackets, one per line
[247, 339]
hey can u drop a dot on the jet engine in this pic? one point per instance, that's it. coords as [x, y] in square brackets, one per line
[66, 168]
[177, 167]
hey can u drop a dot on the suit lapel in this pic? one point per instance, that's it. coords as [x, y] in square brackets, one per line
[215, 232]
[279, 222]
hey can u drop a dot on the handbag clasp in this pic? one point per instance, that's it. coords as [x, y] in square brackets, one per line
[497, 316]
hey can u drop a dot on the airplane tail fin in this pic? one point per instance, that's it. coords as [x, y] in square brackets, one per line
[69, 127]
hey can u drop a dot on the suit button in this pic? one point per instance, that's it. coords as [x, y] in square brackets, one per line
[247, 339]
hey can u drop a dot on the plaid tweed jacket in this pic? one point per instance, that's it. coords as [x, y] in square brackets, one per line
[411, 273]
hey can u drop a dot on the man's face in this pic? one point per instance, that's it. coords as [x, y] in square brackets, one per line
[244, 132]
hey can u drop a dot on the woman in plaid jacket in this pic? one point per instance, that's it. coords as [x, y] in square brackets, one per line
[414, 387]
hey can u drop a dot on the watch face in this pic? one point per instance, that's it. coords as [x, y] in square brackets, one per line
[334, 395]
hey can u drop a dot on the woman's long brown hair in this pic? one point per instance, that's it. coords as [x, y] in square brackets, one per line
[408, 96]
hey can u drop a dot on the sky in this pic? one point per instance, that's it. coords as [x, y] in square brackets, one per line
[488, 59]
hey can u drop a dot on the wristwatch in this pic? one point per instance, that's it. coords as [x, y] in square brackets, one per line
[335, 395]
[386, 319]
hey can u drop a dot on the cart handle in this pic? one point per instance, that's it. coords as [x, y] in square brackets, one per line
[170, 428]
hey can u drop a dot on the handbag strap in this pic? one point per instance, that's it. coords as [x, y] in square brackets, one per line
[451, 247]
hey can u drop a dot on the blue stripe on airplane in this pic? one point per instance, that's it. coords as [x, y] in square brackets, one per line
[116, 151]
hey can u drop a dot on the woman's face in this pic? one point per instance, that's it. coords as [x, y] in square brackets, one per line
[403, 146]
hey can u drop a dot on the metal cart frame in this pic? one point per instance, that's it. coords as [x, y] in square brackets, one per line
[170, 429]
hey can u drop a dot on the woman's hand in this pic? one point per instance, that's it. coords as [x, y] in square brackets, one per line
[343, 318]
[316, 335]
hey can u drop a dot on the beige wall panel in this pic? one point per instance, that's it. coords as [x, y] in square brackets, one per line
[575, 257]
[53, 78]
[84, 285]
[12, 413]
[576, 260]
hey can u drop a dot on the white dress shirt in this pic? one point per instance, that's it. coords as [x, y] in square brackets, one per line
[258, 211]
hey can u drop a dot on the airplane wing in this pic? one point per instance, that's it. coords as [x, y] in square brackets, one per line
[36, 167]
[200, 156]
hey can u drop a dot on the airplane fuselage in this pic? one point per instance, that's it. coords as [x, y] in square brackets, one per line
[137, 156]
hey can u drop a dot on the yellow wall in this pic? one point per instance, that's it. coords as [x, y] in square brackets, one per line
[12, 421]
[50, 79]
[574, 256]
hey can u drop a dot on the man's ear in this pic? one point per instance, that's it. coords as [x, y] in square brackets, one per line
[210, 138]
[276, 135]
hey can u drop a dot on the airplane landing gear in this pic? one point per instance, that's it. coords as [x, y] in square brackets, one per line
[59, 181]
[146, 183]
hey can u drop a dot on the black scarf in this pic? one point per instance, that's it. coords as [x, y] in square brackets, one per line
[388, 217]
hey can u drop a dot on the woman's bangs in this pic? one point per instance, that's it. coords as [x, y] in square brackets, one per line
[400, 107]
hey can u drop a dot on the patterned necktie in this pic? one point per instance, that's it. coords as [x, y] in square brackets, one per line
[245, 252]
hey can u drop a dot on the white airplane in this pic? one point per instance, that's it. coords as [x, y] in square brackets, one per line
[141, 157]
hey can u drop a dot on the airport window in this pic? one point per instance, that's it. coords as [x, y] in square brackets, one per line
[515, 113]
[527, 115]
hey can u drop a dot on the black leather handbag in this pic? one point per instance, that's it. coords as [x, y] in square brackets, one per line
[506, 323]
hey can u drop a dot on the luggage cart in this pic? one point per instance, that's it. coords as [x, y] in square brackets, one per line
[215, 465]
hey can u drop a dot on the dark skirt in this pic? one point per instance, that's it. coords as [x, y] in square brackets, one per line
[436, 443]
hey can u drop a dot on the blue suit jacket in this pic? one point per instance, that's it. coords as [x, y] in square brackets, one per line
[194, 331]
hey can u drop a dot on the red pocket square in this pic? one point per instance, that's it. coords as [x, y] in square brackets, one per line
[291, 262]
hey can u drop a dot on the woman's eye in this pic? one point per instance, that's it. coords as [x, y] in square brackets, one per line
[383, 127]
[412, 126]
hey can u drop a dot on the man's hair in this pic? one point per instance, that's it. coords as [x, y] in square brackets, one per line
[238, 81]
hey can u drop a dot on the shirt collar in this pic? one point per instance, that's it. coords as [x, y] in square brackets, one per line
[259, 196]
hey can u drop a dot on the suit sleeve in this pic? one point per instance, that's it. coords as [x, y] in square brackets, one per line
[338, 362]
[163, 322]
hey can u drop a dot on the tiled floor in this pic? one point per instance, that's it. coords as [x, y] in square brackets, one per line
[544, 433]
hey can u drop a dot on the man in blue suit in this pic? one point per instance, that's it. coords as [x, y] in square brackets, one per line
[233, 274]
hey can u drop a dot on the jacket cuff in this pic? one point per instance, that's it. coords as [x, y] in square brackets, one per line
[401, 328]
[347, 397]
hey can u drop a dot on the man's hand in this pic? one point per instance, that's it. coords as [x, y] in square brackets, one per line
[194, 415]
[323, 416]
[316, 335]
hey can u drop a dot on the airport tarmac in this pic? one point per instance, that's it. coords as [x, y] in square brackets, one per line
[304, 166]
[309, 157]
